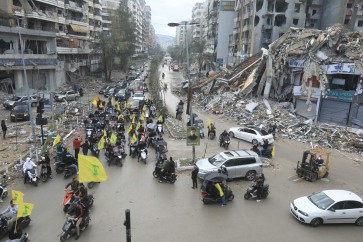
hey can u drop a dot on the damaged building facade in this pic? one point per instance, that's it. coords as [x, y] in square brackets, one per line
[320, 72]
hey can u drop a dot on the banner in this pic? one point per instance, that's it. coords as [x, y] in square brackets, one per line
[193, 136]
[17, 197]
[113, 139]
[90, 169]
[56, 140]
[24, 209]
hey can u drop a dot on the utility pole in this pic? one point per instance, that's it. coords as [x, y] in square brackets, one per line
[27, 91]
[127, 224]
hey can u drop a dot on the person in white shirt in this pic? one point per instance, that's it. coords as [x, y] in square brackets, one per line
[28, 165]
[11, 212]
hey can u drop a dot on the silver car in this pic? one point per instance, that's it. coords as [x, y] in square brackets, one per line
[239, 163]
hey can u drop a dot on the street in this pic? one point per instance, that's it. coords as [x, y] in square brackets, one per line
[173, 212]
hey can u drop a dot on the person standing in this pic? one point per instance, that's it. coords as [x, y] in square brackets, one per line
[195, 177]
[4, 128]
[85, 147]
[76, 146]
[221, 193]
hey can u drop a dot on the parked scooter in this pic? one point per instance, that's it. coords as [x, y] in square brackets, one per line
[252, 193]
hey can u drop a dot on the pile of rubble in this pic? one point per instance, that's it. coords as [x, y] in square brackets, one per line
[245, 111]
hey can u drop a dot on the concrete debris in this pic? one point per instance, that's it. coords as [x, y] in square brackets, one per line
[251, 106]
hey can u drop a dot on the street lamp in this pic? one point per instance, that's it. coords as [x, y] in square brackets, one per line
[191, 117]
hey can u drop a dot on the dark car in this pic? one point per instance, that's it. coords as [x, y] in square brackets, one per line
[121, 84]
[20, 112]
[103, 89]
[122, 95]
[109, 92]
[135, 106]
[131, 78]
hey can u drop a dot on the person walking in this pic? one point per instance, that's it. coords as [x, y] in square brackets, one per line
[85, 147]
[195, 177]
[76, 146]
[4, 128]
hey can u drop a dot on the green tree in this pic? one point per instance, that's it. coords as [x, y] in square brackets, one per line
[198, 49]
[176, 52]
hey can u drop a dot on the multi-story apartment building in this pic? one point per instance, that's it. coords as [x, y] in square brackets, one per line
[197, 16]
[146, 29]
[57, 38]
[180, 35]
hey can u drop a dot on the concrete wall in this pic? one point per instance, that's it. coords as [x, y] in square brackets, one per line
[225, 28]
[333, 11]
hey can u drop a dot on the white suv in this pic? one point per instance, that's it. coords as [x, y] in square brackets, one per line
[239, 163]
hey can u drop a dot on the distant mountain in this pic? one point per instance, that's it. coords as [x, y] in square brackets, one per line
[165, 39]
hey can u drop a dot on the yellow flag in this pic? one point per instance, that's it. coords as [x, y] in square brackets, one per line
[112, 101]
[101, 105]
[142, 116]
[273, 151]
[144, 108]
[125, 105]
[101, 143]
[113, 138]
[24, 209]
[134, 139]
[138, 125]
[104, 133]
[118, 107]
[121, 116]
[90, 169]
[129, 130]
[17, 197]
[161, 118]
[56, 140]
[133, 119]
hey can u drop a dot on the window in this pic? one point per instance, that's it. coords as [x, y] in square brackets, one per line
[297, 7]
[353, 205]
[338, 206]
[346, 21]
[231, 163]
[247, 161]
[360, 23]
[295, 21]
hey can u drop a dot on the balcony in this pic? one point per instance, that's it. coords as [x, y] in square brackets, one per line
[72, 6]
[68, 50]
[14, 61]
[78, 22]
[97, 17]
[28, 31]
[246, 27]
[90, 15]
[99, 29]
[46, 16]
[105, 13]
[106, 21]
[56, 3]
[97, 6]
[91, 28]
[90, 3]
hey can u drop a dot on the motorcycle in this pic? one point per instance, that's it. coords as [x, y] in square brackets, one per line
[69, 227]
[252, 193]
[5, 226]
[208, 198]
[133, 149]
[44, 173]
[225, 142]
[117, 158]
[89, 131]
[32, 176]
[68, 200]
[160, 129]
[143, 156]
[94, 149]
[69, 171]
[158, 169]
[171, 178]
[24, 238]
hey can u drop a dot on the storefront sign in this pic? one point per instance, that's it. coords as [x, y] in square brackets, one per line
[296, 63]
[342, 68]
[315, 92]
[340, 95]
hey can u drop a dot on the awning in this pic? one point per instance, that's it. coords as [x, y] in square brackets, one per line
[79, 29]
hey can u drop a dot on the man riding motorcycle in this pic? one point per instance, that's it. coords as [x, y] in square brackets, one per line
[211, 129]
[223, 135]
[258, 185]
[27, 166]
[11, 212]
[141, 145]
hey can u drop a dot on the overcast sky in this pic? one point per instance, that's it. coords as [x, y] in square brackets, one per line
[166, 11]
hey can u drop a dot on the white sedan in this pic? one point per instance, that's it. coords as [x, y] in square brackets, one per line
[138, 96]
[329, 206]
[251, 134]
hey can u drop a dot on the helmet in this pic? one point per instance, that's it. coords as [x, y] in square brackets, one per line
[28, 159]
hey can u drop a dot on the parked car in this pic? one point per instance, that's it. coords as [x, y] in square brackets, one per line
[121, 84]
[251, 134]
[138, 96]
[122, 95]
[10, 103]
[20, 112]
[131, 78]
[66, 96]
[239, 163]
[329, 206]
[110, 92]
[103, 89]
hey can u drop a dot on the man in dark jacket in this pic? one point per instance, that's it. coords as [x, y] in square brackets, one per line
[4, 128]
[195, 177]
[85, 147]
